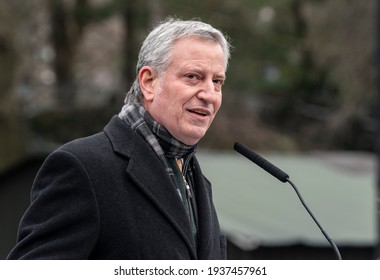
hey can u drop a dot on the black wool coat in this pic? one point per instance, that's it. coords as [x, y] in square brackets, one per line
[107, 196]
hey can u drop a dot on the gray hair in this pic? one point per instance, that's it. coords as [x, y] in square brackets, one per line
[156, 49]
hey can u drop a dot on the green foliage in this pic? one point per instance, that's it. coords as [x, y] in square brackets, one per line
[302, 71]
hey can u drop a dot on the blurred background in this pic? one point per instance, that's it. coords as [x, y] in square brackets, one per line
[301, 89]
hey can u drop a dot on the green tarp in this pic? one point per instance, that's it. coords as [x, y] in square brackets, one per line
[256, 209]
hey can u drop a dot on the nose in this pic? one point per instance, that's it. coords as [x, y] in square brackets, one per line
[208, 92]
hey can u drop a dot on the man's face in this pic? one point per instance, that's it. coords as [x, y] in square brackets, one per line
[187, 96]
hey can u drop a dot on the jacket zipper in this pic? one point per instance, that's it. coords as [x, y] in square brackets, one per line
[189, 196]
[184, 170]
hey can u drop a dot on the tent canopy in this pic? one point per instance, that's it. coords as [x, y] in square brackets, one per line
[256, 209]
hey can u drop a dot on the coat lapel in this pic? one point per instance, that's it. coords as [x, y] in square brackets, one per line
[148, 172]
[205, 215]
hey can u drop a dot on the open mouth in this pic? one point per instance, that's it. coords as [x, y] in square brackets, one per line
[199, 112]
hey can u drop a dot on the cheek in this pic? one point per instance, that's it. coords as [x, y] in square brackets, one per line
[218, 104]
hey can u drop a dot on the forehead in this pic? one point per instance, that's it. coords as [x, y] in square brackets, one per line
[197, 50]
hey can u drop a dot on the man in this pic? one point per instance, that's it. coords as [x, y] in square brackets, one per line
[135, 190]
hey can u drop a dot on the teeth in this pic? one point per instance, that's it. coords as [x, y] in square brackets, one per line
[200, 112]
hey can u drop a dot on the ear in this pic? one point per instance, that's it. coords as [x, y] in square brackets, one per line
[148, 82]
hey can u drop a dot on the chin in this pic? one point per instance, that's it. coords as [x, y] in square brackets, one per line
[191, 137]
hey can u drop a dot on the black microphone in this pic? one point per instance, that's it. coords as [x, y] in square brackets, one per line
[283, 177]
[262, 162]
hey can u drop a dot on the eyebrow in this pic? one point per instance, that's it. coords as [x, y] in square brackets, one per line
[200, 70]
[220, 76]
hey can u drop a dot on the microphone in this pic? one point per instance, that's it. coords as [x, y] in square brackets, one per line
[262, 162]
[283, 177]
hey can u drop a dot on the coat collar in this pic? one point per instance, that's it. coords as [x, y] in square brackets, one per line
[144, 168]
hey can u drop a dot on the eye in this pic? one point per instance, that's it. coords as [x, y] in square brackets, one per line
[192, 76]
[219, 82]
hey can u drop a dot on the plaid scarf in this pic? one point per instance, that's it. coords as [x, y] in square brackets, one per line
[161, 141]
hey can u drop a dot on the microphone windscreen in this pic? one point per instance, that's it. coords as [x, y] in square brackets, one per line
[262, 162]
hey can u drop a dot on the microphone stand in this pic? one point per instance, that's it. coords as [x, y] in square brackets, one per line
[332, 243]
[283, 177]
